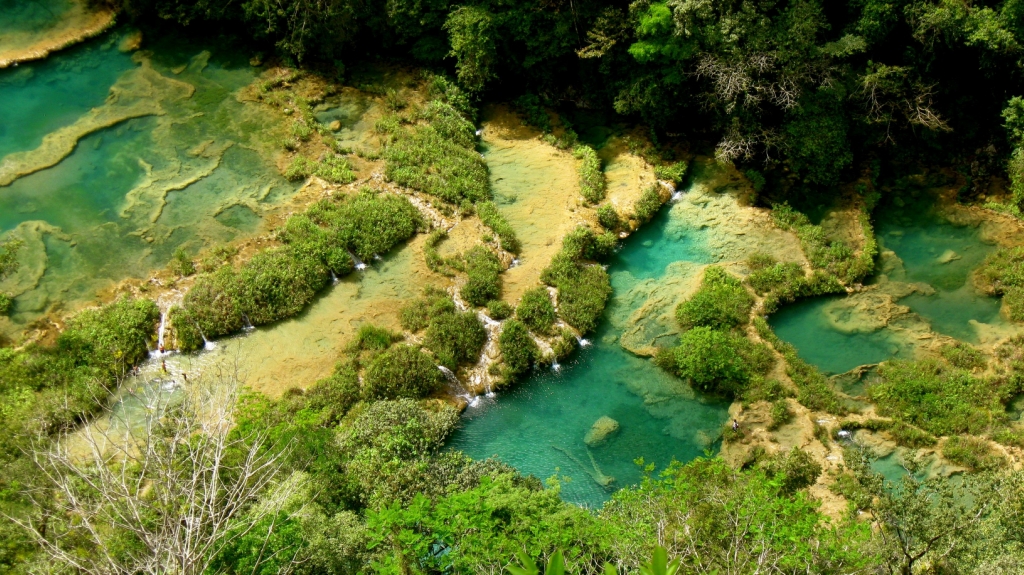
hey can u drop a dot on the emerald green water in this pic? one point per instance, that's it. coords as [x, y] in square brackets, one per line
[919, 238]
[198, 174]
[539, 426]
[35, 17]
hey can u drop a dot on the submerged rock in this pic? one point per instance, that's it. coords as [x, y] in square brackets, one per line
[947, 256]
[602, 429]
[335, 125]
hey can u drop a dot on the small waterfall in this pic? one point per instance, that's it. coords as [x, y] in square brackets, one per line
[515, 262]
[334, 278]
[472, 400]
[377, 258]
[583, 341]
[360, 266]
[159, 351]
[248, 326]
[556, 367]
[480, 132]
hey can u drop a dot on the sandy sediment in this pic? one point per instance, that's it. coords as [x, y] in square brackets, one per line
[78, 24]
[137, 94]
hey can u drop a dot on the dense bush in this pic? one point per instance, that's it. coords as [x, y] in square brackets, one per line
[829, 254]
[973, 453]
[498, 309]
[938, 398]
[114, 337]
[493, 219]
[210, 309]
[673, 172]
[434, 302]
[370, 337]
[181, 263]
[536, 311]
[648, 204]
[483, 269]
[518, 350]
[720, 302]
[608, 218]
[1003, 274]
[332, 168]
[402, 371]
[583, 288]
[323, 244]
[332, 396]
[439, 159]
[592, 184]
[455, 338]
[276, 284]
[373, 223]
[718, 361]
[797, 469]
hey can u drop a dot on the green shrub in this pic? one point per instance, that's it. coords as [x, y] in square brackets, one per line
[592, 183]
[498, 309]
[518, 350]
[720, 362]
[910, 436]
[608, 218]
[564, 344]
[276, 284]
[323, 245]
[648, 204]
[439, 159]
[536, 311]
[829, 254]
[417, 313]
[450, 124]
[963, 356]
[373, 223]
[720, 302]
[493, 219]
[797, 469]
[583, 291]
[672, 172]
[757, 180]
[210, 309]
[370, 337]
[334, 395]
[764, 389]
[532, 110]
[6, 304]
[455, 338]
[973, 453]
[940, 399]
[181, 263]
[401, 372]
[780, 414]
[484, 276]
[114, 337]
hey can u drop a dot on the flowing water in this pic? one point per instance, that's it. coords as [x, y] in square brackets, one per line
[929, 275]
[539, 427]
[113, 160]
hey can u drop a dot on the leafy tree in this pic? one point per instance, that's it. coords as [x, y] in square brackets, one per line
[471, 35]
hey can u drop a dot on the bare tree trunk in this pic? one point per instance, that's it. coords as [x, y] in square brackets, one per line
[163, 493]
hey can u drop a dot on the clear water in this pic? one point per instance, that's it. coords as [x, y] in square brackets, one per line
[919, 238]
[920, 242]
[805, 325]
[539, 426]
[129, 195]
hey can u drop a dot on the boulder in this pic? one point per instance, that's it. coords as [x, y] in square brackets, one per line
[602, 429]
[947, 256]
[335, 125]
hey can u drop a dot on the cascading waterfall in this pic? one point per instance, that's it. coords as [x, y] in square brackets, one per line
[556, 367]
[583, 341]
[472, 400]
[360, 266]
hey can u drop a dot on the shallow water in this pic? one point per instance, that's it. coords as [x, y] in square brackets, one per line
[929, 251]
[539, 426]
[198, 173]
